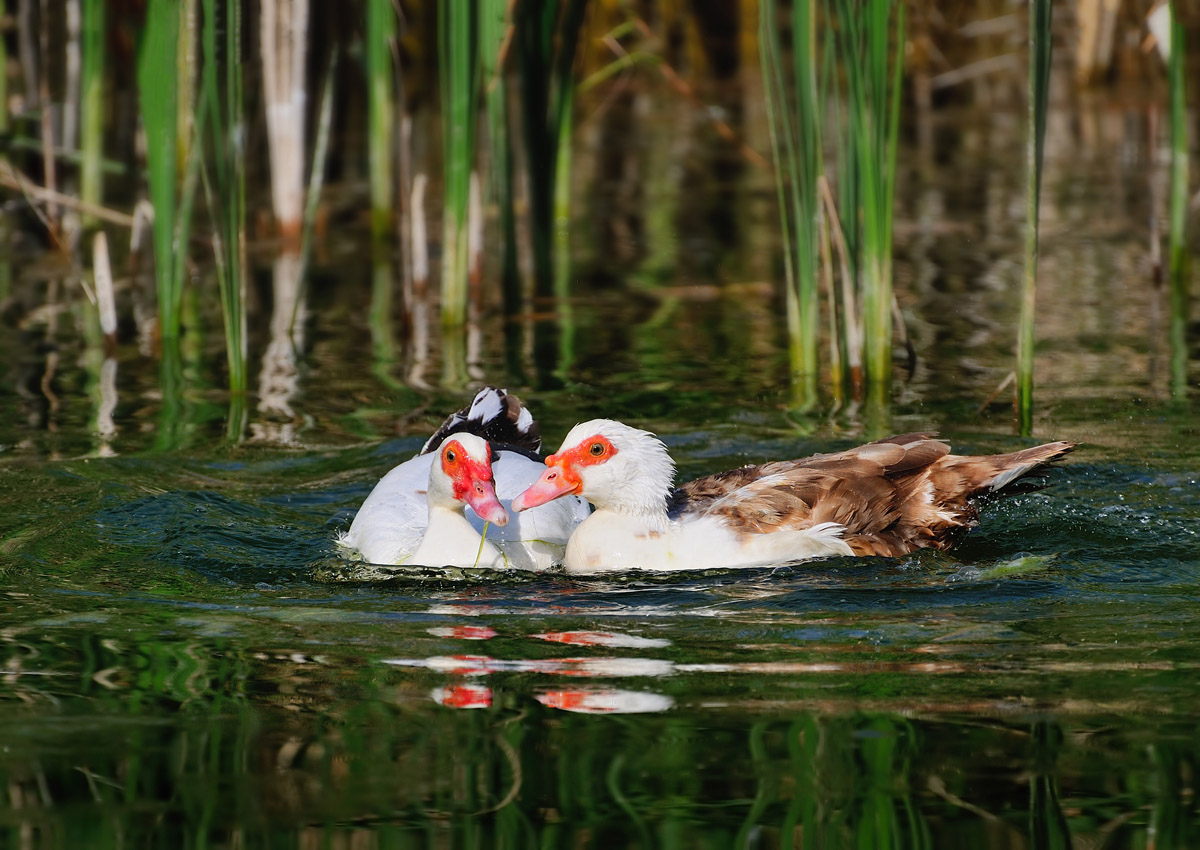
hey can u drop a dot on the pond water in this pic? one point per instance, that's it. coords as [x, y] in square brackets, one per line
[186, 663]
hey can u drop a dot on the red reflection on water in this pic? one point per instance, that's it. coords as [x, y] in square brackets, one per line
[463, 696]
[569, 701]
[584, 638]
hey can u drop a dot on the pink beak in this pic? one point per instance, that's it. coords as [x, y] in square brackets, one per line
[481, 496]
[552, 484]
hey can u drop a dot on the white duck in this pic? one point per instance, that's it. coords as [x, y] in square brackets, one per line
[884, 498]
[392, 521]
[460, 475]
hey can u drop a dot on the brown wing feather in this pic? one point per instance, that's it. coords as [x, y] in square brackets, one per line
[892, 496]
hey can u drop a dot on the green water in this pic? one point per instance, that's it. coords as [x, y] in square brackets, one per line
[185, 663]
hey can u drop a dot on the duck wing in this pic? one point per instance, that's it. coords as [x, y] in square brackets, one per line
[891, 497]
[498, 417]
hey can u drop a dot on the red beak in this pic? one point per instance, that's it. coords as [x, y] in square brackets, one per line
[556, 481]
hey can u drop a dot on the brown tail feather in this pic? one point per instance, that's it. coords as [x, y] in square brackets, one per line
[933, 505]
[993, 473]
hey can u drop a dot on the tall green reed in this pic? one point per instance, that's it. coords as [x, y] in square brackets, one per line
[457, 67]
[867, 38]
[1040, 47]
[1177, 245]
[495, 28]
[546, 37]
[380, 38]
[224, 123]
[158, 79]
[92, 72]
[795, 129]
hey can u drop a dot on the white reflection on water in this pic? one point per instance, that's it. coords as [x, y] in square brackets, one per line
[279, 379]
[605, 701]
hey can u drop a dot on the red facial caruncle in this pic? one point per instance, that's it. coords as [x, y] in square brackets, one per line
[471, 480]
[562, 474]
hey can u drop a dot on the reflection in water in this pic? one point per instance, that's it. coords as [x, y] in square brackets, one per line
[418, 344]
[463, 632]
[106, 429]
[380, 319]
[279, 378]
[275, 743]
[463, 696]
[605, 701]
[610, 639]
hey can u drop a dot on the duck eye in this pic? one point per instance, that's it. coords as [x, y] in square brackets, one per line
[596, 449]
[451, 456]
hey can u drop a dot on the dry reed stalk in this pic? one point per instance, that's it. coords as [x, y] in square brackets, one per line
[47, 124]
[403, 218]
[851, 320]
[1097, 34]
[418, 243]
[475, 247]
[11, 177]
[837, 374]
[106, 302]
[418, 307]
[284, 34]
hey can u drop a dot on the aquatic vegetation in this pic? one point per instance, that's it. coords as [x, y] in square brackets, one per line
[1040, 45]
[1177, 251]
[495, 37]
[871, 54]
[158, 80]
[91, 106]
[457, 67]
[545, 40]
[795, 130]
[853, 221]
[380, 36]
[224, 123]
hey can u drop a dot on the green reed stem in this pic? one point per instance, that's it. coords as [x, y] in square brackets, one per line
[1040, 47]
[158, 80]
[1177, 245]
[805, 196]
[494, 25]
[547, 36]
[92, 73]
[381, 117]
[456, 26]
[223, 121]
[562, 235]
[797, 121]
[874, 93]
[779, 129]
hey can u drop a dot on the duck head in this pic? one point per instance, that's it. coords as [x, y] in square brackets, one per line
[462, 474]
[613, 466]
